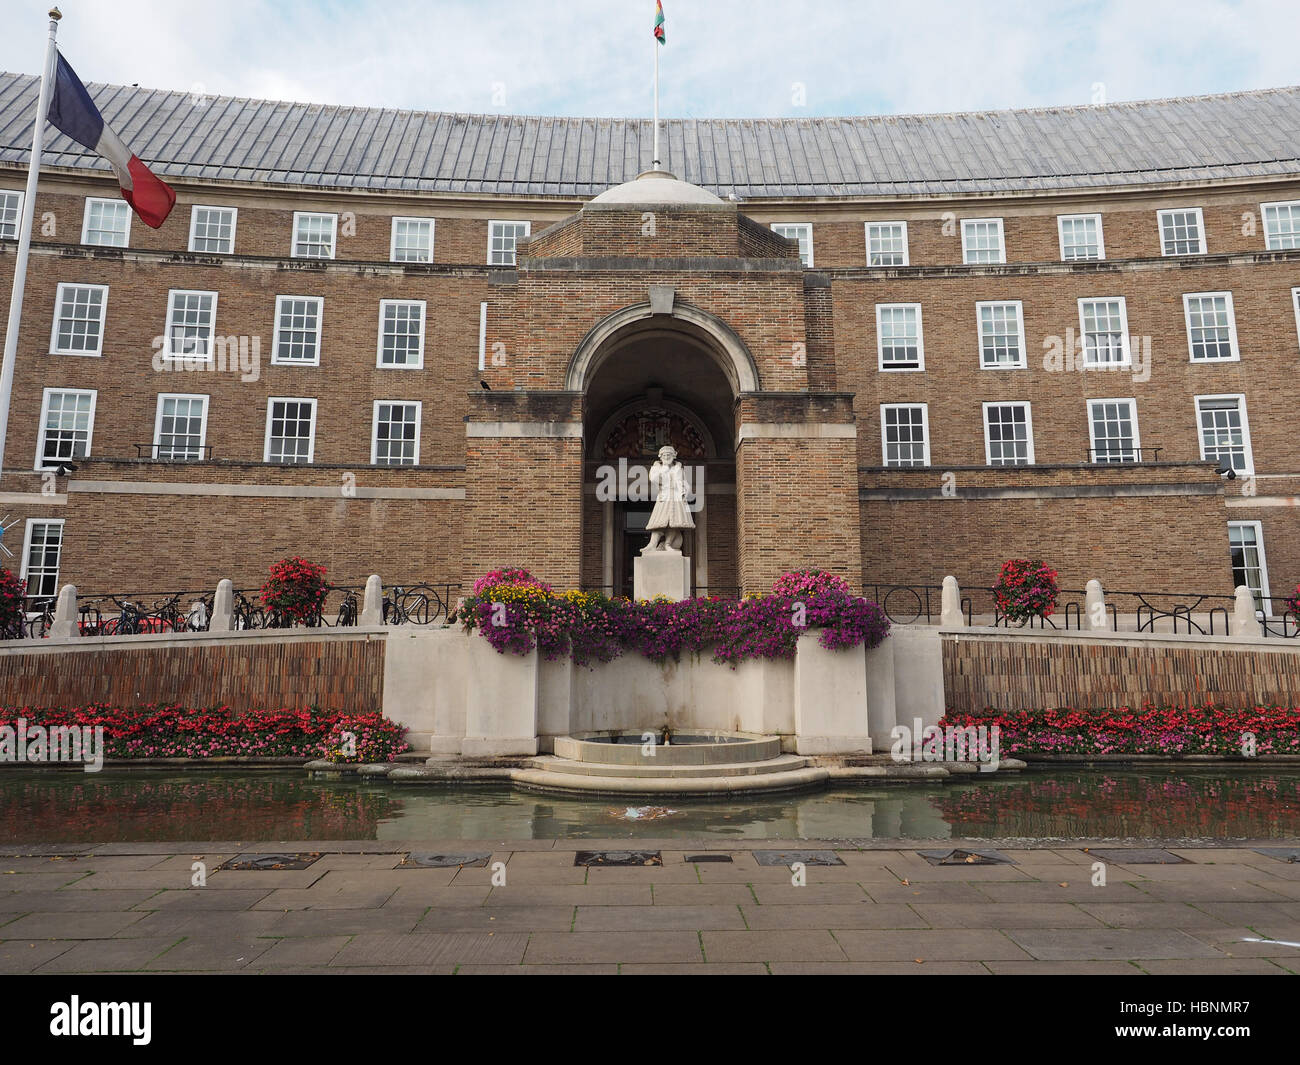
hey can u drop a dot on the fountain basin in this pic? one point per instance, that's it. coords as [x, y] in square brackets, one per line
[632, 747]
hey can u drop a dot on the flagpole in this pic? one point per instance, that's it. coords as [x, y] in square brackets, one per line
[25, 237]
[654, 43]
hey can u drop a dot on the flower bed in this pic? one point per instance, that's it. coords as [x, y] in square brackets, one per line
[517, 613]
[181, 732]
[1149, 730]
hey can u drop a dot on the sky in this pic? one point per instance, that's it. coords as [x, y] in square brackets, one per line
[723, 59]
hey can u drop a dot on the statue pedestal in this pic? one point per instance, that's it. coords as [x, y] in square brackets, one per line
[661, 573]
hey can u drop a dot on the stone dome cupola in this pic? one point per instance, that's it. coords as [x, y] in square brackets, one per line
[657, 188]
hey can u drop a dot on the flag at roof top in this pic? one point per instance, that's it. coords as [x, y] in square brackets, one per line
[74, 112]
[659, 21]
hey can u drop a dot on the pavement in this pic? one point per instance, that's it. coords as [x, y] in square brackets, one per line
[356, 908]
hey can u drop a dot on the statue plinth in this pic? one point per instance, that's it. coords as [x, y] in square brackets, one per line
[661, 573]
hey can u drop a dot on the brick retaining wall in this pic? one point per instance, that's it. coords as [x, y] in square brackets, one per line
[1047, 671]
[344, 672]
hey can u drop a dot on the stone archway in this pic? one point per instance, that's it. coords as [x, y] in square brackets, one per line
[650, 377]
[727, 349]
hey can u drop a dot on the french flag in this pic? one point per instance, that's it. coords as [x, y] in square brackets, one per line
[74, 112]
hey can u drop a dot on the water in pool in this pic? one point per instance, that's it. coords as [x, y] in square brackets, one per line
[160, 805]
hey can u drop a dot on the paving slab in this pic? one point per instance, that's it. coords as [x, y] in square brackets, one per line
[694, 969]
[72, 901]
[864, 914]
[45, 881]
[703, 895]
[311, 899]
[810, 895]
[572, 895]
[1215, 967]
[597, 969]
[310, 950]
[913, 894]
[1154, 915]
[208, 953]
[200, 924]
[417, 897]
[805, 944]
[499, 919]
[652, 946]
[879, 968]
[1065, 944]
[109, 955]
[341, 922]
[434, 949]
[962, 944]
[22, 956]
[1067, 968]
[200, 899]
[1005, 915]
[100, 925]
[650, 918]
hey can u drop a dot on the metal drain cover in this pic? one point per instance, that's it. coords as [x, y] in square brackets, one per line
[788, 858]
[1282, 854]
[269, 862]
[618, 858]
[698, 858]
[1138, 856]
[965, 857]
[470, 860]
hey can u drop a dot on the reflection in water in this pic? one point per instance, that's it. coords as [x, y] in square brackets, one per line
[140, 805]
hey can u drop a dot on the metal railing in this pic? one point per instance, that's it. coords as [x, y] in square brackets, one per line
[135, 613]
[1117, 455]
[177, 453]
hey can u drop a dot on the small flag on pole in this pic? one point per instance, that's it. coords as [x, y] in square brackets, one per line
[659, 22]
[74, 112]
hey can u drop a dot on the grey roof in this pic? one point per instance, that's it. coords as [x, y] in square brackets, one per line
[1236, 135]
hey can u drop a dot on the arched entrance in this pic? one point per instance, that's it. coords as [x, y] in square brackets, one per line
[650, 379]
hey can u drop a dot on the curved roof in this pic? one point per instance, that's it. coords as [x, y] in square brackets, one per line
[1236, 135]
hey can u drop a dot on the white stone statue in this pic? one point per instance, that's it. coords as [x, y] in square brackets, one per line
[671, 513]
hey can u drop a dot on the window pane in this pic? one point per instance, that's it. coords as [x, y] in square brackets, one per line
[314, 236]
[214, 230]
[503, 240]
[1282, 226]
[1181, 232]
[180, 428]
[982, 242]
[291, 430]
[297, 329]
[1000, 334]
[1248, 560]
[396, 425]
[403, 332]
[1080, 237]
[899, 338]
[189, 323]
[1007, 426]
[1114, 434]
[43, 560]
[10, 209]
[904, 436]
[412, 240]
[1209, 325]
[65, 433]
[79, 327]
[1102, 322]
[1223, 436]
[106, 222]
[886, 244]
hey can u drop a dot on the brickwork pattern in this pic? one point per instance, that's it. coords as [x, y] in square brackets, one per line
[337, 673]
[983, 672]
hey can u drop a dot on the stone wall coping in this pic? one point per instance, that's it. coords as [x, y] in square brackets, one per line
[1139, 639]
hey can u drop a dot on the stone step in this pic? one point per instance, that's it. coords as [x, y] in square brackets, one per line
[577, 783]
[649, 768]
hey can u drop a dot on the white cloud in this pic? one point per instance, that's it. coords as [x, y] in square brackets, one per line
[725, 58]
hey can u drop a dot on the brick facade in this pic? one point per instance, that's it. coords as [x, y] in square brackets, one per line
[798, 478]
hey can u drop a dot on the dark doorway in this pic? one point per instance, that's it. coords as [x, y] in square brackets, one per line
[630, 536]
